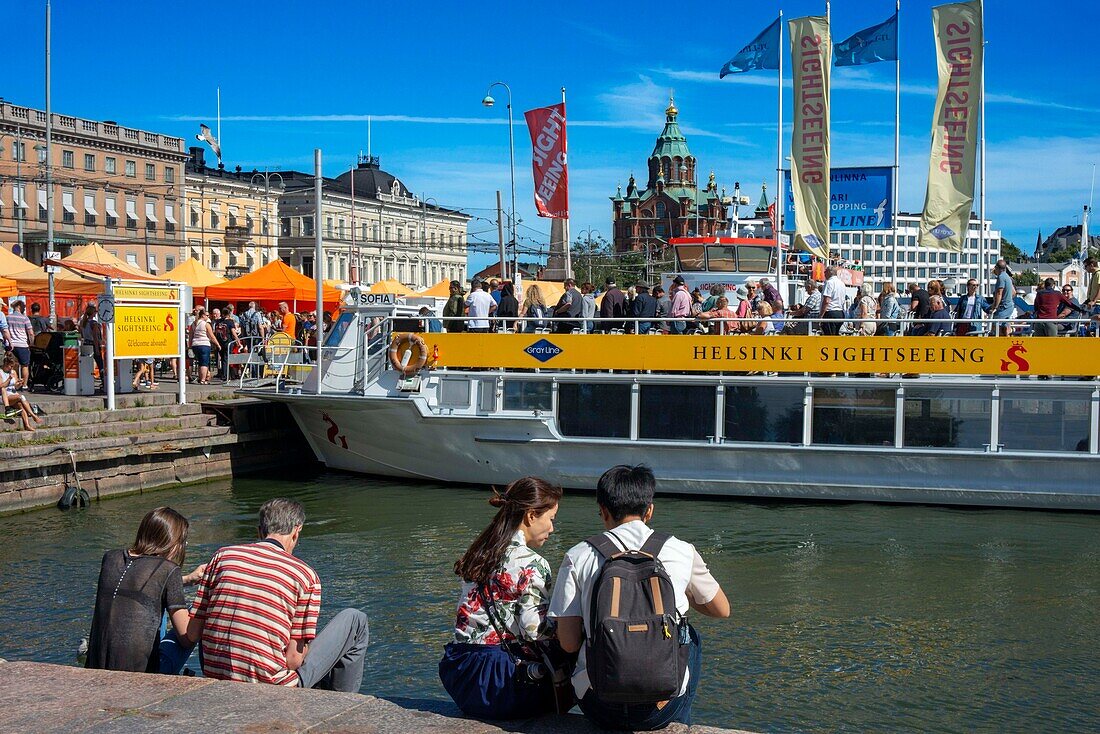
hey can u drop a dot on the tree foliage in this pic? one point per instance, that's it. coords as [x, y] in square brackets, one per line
[594, 260]
[1011, 252]
[1028, 277]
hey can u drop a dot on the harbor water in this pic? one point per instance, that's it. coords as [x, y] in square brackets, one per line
[846, 617]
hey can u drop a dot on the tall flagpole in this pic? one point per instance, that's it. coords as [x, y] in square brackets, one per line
[565, 222]
[897, 138]
[780, 198]
[983, 266]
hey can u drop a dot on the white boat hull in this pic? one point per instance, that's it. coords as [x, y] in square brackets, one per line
[394, 437]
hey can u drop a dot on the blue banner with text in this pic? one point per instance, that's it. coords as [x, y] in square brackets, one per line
[859, 198]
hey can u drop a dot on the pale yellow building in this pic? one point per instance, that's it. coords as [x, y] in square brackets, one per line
[111, 184]
[231, 216]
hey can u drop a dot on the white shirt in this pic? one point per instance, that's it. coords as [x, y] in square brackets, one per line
[834, 291]
[479, 302]
[572, 595]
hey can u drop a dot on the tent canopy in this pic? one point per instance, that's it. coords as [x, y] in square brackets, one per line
[195, 274]
[442, 289]
[8, 287]
[274, 282]
[12, 263]
[35, 280]
[392, 285]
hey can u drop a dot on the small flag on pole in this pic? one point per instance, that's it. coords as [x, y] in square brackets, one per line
[760, 53]
[871, 45]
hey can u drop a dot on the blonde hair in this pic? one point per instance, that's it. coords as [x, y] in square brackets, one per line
[887, 289]
[532, 297]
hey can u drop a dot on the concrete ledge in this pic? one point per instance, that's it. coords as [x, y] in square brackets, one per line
[53, 698]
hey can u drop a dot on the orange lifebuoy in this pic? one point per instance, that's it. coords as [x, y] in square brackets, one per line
[418, 354]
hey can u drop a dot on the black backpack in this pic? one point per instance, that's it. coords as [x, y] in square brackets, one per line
[637, 651]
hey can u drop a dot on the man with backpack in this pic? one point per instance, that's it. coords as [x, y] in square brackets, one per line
[226, 332]
[622, 599]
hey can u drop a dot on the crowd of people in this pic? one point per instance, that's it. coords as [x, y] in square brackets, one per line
[611, 633]
[757, 307]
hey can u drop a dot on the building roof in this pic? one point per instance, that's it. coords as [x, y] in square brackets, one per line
[671, 142]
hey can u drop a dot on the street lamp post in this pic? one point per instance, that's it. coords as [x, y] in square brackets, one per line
[588, 248]
[424, 239]
[266, 177]
[489, 102]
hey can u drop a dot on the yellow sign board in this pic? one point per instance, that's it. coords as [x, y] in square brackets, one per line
[146, 293]
[949, 355]
[146, 331]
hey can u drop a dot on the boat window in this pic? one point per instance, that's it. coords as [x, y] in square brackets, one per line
[755, 259]
[1045, 420]
[454, 393]
[850, 416]
[947, 418]
[527, 395]
[690, 258]
[770, 414]
[594, 410]
[337, 330]
[721, 259]
[676, 412]
[488, 395]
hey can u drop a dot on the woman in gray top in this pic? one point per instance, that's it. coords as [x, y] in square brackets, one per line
[137, 586]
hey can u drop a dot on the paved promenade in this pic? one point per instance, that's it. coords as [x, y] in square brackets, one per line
[36, 697]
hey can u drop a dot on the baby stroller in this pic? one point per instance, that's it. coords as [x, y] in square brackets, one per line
[48, 361]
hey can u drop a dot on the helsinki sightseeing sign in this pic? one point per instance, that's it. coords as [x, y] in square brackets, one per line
[859, 198]
[797, 354]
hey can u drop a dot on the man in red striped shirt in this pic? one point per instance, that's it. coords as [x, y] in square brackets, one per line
[256, 612]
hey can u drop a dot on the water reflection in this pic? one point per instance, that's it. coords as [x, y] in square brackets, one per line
[846, 617]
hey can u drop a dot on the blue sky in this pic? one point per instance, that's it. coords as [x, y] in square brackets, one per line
[298, 75]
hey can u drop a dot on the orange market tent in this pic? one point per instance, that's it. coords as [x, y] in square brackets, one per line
[272, 283]
[12, 263]
[392, 285]
[8, 287]
[442, 289]
[195, 274]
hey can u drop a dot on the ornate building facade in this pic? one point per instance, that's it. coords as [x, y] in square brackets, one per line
[671, 204]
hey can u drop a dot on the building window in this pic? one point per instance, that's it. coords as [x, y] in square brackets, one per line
[169, 174]
[265, 226]
[249, 223]
[169, 262]
[42, 205]
[19, 151]
[307, 226]
[110, 165]
[67, 159]
[68, 208]
[131, 169]
[151, 216]
[343, 233]
[215, 260]
[328, 226]
[169, 217]
[195, 217]
[110, 211]
[284, 226]
[90, 213]
[131, 214]
[150, 172]
[89, 162]
[232, 217]
[19, 191]
[131, 259]
[215, 220]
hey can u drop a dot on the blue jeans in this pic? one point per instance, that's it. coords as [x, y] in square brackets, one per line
[646, 716]
[174, 652]
[677, 327]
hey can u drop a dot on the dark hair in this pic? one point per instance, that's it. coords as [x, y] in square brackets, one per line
[162, 532]
[626, 490]
[36, 307]
[527, 494]
[1049, 283]
[508, 289]
[1090, 261]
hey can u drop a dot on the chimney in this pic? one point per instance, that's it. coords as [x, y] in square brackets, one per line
[198, 157]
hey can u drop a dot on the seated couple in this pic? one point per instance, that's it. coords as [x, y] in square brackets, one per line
[621, 602]
[255, 611]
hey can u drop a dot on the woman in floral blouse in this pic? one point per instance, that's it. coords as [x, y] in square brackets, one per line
[505, 593]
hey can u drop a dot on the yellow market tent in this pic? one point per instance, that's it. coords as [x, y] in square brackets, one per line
[195, 274]
[392, 285]
[442, 289]
[35, 280]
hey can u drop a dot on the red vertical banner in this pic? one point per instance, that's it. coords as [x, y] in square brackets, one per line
[547, 128]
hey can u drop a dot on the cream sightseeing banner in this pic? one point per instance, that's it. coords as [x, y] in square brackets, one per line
[811, 57]
[950, 193]
[146, 331]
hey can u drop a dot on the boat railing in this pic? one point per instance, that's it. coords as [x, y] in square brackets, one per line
[278, 361]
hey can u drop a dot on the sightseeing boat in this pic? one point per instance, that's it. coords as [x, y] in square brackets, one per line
[952, 420]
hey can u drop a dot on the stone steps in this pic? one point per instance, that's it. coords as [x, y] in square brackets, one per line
[73, 436]
[55, 419]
